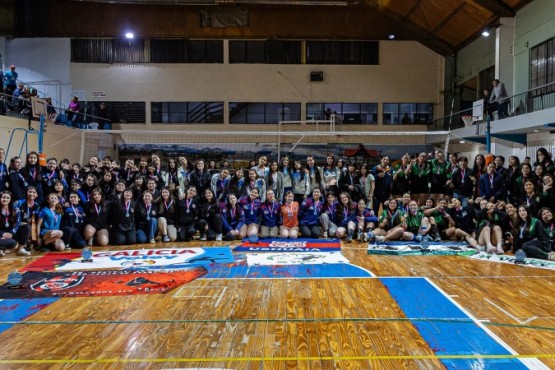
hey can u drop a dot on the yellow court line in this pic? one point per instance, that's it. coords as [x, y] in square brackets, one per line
[252, 359]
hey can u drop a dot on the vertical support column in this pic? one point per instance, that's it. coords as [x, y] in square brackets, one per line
[504, 60]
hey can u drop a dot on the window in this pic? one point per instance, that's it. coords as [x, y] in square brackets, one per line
[265, 52]
[407, 113]
[187, 112]
[342, 52]
[120, 111]
[146, 51]
[264, 112]
[542, 67]
[352, 113]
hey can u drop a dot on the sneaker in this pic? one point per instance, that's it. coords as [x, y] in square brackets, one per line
[360, 236]
[325, 234]
[67, 248]
[418, 237]
[380, 238]
[2, 253]
[427, 238]
[368, 236]
[349, 239]
[203, 237]
[219, 237]
[491, 249]
[437, 238]
[152, 241]
[500, 250]
[551, 256]
[166, 239]
[90, 242]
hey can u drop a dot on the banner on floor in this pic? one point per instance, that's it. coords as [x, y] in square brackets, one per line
[135, 259]
[412, 248]
[532, 262]
[308, 258]
[290, 245]
[99, 283]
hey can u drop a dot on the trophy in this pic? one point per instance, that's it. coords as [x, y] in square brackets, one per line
[14, 280]
[86, 254]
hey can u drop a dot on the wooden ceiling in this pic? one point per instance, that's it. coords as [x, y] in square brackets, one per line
[445, 26]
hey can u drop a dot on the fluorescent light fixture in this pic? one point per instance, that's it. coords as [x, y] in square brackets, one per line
[391, 36]
[129, 35]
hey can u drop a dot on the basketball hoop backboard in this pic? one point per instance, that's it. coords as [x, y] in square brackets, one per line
[38, 107]
[478, 110]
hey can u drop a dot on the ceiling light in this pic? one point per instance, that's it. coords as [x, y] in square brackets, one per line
[129, 35]
[461, 141]
[485, 32]
[391, 36]
[536, 130]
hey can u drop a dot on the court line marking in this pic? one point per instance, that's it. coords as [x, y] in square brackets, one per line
[281, 358]
[532, 362]
[521, 322]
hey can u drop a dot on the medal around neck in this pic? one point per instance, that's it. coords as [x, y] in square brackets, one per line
[86, 254]
[14, 280]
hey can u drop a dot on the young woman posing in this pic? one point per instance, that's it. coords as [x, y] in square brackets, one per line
[96, 224]
[73, 223]
[13, 235]
[48, 226]
[289, 215]
[210, 219]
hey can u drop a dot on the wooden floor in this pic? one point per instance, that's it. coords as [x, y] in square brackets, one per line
[289, 323]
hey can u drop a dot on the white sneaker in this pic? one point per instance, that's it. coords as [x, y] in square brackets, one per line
[325, 235]
[22, 252]
[152, 241]
[203, 237]
[491, 249]
[500, 250]
[380, 238]
[219, 237]
[166, 239]
[90, 242]
[551, 256]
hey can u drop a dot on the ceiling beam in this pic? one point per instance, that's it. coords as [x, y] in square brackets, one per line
[413, 9]
[449, 17]
[418, 33]
[497, 7]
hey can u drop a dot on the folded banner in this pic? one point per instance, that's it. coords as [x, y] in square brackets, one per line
[413, 248]
[313, 258]
[137, 259]
[290, 245]
[99, 283]
[531, 262]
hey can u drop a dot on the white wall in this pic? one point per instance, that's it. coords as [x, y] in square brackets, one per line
[43, 61]
[477, 56]
[408, 72]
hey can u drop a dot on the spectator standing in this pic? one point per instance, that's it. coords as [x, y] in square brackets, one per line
[10, 80]
[499, 99]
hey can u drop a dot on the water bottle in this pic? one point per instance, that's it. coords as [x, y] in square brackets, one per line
[520, 256]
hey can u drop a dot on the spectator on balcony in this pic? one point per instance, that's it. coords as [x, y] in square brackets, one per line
[499, 99]
[487, 106]
[73, 111]
[10, 80]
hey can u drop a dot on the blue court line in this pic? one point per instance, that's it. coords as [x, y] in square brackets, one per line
[420, 299]
[16, 310]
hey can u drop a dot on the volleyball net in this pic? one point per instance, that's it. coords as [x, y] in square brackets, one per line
[294, 139]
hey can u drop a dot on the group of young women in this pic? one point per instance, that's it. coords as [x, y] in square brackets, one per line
[425, 198]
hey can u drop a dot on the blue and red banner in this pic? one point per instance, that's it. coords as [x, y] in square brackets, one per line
[290, 245]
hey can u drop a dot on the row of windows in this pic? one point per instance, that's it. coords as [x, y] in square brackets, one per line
[212, 51]
[268, 113]
[542, 66]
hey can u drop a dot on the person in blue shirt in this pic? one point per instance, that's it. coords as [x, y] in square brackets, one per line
[346, 217]
[10, 80]
[233, 218]
[12, 234]
[328, 217]
[309, 215]
[251, 207]
[269, 216]
[366, 219]
[48, 227]
[73, 223]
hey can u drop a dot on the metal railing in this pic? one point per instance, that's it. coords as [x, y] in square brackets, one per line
[20, 107]
[533, 100]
